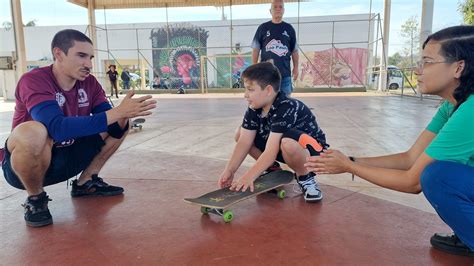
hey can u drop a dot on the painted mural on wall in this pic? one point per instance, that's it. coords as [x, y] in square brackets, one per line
[229, 70]
[345, 68]
[177, 59]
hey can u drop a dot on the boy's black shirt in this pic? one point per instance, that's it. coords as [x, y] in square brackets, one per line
[284, 114]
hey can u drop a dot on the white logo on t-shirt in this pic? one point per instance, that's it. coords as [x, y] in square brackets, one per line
[64, 143]
[60, 99]
[268, 33]
[286, 34]
[83, 100]
[276, 47]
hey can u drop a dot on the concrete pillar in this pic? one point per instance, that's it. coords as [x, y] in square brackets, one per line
[8, 81]
[142, 65]
[20, 56]
[93, 34]
[384, 58]
[426, 21]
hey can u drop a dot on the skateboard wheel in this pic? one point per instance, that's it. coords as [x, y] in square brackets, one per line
[228, 216]
[281, 194]
[204, 210]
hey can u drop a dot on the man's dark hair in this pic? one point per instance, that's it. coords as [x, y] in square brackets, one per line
[264, 74]
[65, 39]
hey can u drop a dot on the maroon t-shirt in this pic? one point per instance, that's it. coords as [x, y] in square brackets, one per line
[40, 85]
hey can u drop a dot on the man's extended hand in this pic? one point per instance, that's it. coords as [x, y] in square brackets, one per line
[132, 107]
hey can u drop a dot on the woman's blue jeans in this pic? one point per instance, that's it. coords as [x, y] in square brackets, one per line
[449, 187]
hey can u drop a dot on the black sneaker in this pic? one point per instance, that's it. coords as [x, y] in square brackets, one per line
[310, 187]
[275, 167]
[450, 243]
[36, 210]
[94, 187]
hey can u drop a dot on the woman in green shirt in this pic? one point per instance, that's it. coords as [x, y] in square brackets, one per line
[441, 162]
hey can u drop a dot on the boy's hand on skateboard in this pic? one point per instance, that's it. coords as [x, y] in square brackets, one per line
[132, 107]
[242, 184]
[225, 180]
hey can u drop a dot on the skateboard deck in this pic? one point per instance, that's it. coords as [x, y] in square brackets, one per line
[137, 123]
[217, 201]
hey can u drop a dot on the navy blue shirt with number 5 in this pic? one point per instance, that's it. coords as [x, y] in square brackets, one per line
[276, 43]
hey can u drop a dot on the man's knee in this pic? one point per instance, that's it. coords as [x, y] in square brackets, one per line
[30, 135]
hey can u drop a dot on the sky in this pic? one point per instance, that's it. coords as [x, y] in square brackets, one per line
[61, 12]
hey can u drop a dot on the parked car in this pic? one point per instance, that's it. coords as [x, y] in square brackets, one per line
[394, 77]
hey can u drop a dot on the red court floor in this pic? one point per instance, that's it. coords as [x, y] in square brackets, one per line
[180, 153]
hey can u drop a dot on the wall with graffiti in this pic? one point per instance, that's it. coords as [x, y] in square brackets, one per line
[228, 70]
[169, 56]
[177, 57]
[333, 67]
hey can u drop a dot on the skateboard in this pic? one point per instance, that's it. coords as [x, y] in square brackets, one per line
[218, 201]
[138, 123]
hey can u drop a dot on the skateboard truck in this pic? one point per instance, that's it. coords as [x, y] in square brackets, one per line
[227, 215]
[137, 123]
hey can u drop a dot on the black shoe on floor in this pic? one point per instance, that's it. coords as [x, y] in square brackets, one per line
[275, 167]
[450, 243]
[94, 187]
[36, 210]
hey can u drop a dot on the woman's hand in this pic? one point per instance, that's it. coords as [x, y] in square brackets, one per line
[328, 162]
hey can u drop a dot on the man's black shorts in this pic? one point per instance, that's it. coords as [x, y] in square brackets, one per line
[66, 161]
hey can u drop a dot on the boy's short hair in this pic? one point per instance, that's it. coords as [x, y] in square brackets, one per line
[65, 39]
[264, 74]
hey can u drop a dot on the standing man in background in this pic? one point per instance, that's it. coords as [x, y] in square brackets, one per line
[275, 40]
[125, 76]
[113, 74]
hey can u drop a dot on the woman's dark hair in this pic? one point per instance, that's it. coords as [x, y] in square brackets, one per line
[264, 74]
[65, 39]
[457, 43]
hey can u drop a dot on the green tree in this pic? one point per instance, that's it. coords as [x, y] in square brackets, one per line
[410, 32]
[31, 23]
[8, 25]
[466, 8]
[395, 59]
